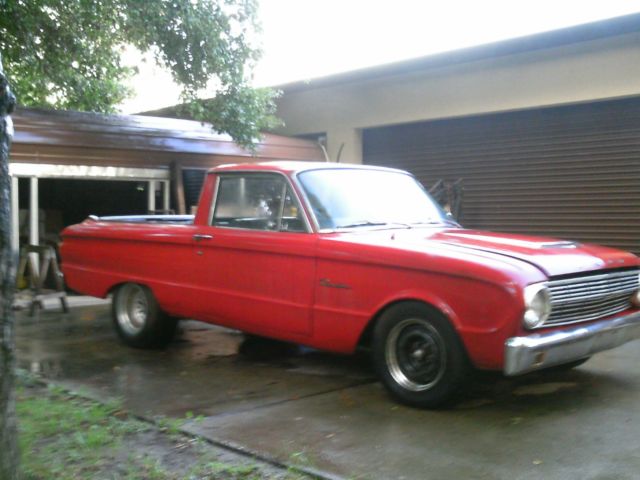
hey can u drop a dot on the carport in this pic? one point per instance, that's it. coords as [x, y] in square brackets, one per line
[67, 165]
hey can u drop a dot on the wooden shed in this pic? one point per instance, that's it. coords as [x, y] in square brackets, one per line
[68, 165]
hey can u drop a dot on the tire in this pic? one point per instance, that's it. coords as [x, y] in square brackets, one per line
[138, 319]
[418, 356]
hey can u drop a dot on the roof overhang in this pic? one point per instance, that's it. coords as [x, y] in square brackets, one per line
[578, 34]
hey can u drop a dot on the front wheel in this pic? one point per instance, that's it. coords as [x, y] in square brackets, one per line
[418, 355]
[138, 319]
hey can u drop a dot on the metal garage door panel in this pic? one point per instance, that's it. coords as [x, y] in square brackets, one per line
[570, 172]
[193, 180]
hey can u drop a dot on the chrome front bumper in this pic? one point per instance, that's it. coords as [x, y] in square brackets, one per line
[542, 350]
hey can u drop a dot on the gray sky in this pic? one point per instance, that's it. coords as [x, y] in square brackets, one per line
[305, 39]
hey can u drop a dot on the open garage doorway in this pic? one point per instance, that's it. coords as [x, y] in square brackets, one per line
[66, 201]
[45, 201]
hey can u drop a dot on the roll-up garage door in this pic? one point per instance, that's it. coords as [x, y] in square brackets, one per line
[193, 180]
[570, 172]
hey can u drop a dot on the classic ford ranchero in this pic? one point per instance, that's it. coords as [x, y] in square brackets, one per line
[339, 257]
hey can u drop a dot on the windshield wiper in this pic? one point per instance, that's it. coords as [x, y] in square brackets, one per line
[369, 223]
[362, 223]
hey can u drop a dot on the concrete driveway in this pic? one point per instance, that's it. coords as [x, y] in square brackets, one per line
[328, 412]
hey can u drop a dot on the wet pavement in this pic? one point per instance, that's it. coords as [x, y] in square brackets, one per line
[327, 412]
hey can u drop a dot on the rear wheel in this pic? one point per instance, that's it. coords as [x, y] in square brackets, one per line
[138, 319]
[418, 355]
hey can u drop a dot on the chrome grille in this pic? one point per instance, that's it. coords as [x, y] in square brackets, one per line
[590, 297]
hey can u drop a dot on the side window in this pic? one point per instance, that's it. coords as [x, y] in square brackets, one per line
[258, 202]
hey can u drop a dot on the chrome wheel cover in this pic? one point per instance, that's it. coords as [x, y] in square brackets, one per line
[415, 354]
[132, 309]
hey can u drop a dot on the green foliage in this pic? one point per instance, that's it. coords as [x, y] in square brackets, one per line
[66, 437]
[64, 54]
[67, 54]
[243, 112]
[172, 426]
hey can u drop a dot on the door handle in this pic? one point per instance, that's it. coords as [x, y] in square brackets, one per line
[199, 236]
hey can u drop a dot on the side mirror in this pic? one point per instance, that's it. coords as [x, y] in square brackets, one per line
[452, 219]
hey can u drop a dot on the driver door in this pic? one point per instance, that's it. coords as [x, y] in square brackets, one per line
[256, 262]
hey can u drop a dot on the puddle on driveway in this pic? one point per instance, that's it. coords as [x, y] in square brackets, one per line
[288, 401]
[207, 370]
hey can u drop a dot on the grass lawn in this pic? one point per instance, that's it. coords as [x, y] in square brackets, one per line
[63, 436]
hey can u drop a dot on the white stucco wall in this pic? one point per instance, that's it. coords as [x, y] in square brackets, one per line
[594, 70]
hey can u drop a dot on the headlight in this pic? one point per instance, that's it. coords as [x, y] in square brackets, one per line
[537, 305]
[635, 298]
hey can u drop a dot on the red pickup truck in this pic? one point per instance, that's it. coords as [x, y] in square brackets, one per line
[341, 256]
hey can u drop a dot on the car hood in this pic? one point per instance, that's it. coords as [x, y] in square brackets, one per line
[552, 256]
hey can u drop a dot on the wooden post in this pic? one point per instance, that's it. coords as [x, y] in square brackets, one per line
[166, 207]
[151, 196]
[178, 188]
[34, 216]
[15, 217]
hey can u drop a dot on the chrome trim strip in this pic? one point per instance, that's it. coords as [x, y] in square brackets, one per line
[178, 219]
[214, 199]
[326, 282]
[307, 205]
[589, 278]
[542, 350]
[586, 298]
[569, 311]
[600, 294]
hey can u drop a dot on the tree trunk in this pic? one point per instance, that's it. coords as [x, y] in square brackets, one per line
[8, 425]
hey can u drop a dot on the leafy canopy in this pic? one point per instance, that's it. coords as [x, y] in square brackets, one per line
[67, 54]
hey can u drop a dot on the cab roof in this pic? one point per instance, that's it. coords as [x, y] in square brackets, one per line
[292, 167]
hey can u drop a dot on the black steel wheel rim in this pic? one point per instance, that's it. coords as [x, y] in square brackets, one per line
[415, 354]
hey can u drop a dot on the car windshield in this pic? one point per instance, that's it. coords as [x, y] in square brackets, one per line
[352, 198]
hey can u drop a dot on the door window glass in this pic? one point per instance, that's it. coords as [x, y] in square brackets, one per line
[258, 202]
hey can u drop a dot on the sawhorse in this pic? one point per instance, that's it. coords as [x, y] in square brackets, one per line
[37, 276]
